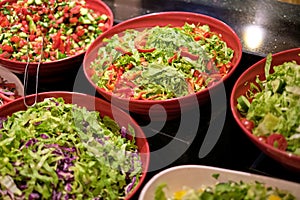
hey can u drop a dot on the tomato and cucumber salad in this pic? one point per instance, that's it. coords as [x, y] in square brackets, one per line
[270, 108]
[159, 63]
[68, 27]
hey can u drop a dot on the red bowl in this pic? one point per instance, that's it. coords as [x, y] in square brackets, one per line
[287, 159]
[171, 107]
[91, 103]
[56, 70]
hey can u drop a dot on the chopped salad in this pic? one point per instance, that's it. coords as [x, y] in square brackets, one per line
[161, 62]
[68, 28]
[226, 190]
[55, 150]
[8, 91]
[271, 107]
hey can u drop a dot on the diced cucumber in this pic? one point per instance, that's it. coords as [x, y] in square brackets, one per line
[23, 34]
[277, 85]
[30, 2]
[38, 2]
[243, 103]
[83, 11]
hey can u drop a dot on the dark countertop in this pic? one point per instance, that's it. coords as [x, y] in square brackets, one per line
[266, 26]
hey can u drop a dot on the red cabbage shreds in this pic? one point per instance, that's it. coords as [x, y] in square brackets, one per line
[2, 119]
[59, 151]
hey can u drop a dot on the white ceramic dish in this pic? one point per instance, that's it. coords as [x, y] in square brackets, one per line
[12, 78]
[196, 176]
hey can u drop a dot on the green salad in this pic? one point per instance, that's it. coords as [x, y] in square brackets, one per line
[229, 190]
[55, 150]
[161, 62]
[271, 107]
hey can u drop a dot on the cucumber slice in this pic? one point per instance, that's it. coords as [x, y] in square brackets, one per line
[243, 103]
[277, 85]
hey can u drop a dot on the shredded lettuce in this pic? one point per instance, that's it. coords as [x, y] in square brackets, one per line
[60, 151]
[275, 104]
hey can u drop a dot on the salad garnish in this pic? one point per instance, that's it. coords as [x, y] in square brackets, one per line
[271, 107]
[160, 63]
[55, 150]
[8, 91]
[68, 28]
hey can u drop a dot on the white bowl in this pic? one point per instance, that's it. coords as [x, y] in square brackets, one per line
[197, 176]
[12, 78]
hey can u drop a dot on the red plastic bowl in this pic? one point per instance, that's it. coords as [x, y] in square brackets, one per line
[287, 159]
[56, 70]
[172, 107]
[91, 103]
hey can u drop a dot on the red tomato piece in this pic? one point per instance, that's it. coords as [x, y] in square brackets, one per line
[248, 124]
[277, 140]
[15, 39]
[8, 48]
[73, 20]
[75, 9]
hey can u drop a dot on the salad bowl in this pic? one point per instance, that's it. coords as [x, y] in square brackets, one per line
[271, 140]
[156, 105]
[129, 134]
[176, 181]
[62, 34]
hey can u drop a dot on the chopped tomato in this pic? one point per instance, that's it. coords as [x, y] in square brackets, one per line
[8, 48]
[15, 39]
[73, 20]
[277, 140]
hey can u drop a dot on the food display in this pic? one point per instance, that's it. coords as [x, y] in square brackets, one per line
[68, 28]
[57, 150]
[270, 108]
[161, 62]
[226, 190]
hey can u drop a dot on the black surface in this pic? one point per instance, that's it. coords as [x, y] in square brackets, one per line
[233, 150]
[279, 22]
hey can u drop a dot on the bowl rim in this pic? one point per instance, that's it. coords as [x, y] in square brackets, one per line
[239, 81]
[145, 165]
[111, 22]
[158, 14]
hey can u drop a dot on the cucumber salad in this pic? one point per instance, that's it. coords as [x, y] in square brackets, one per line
[271, 107]
[68, 28]
[161, 63]
[55, 150]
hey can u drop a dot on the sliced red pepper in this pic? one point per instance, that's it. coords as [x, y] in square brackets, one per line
[174, 57]
[189, 55]
[146, 50]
